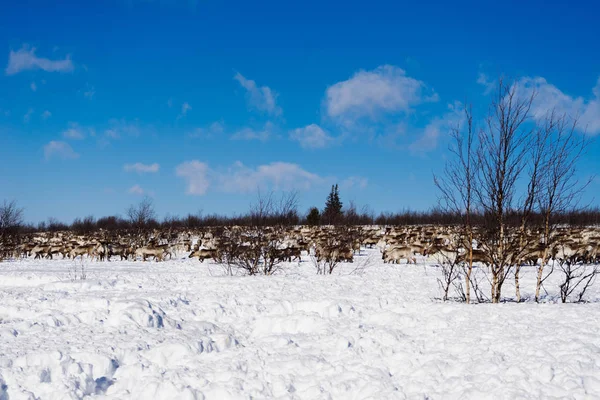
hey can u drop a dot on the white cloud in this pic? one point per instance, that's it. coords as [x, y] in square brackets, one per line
[46, 114]
[112, 133]
[120, 127]
[185, 107]
[25, 59]
[354, 182]
[239, 178]
[488, 84]
[62, 150]
[74, 132]
[214, 129]
[428, 141]
[141, 168]
[33, 86]
[27, 116]
[136, 189]
[261, 98]
[195, 173]
[311, 137]
[262, 135]
[548, 97]
[89, 91]
[276, 175]
[384, 90]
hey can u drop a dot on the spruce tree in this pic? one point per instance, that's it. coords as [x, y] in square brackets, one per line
[333, 206]
[314, 217]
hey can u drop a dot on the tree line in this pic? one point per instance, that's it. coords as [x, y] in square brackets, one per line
[12, 219]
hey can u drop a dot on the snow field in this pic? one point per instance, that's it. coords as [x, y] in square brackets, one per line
[181, 330]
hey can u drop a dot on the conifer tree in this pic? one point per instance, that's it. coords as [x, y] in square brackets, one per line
[333, 207]
[314, 217]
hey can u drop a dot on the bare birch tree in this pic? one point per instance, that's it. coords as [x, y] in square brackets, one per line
[456, 187]
[537, 152]
[560, 188]
[502, 155]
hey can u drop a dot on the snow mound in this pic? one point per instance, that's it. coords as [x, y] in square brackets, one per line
[136, 312]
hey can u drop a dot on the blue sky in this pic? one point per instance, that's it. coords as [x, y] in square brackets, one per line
[197, 103]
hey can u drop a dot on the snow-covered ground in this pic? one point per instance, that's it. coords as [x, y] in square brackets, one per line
[181, 330]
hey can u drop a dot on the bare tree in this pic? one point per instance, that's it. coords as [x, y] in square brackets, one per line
[502, 156]
[11, 221]
[286, 209]
[537, 152]
[142, 214]
[560, 188]
[11, 218]
[457, 191]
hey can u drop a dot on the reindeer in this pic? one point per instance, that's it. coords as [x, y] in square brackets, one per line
[395, 254]
[203, 254]
[144, 252]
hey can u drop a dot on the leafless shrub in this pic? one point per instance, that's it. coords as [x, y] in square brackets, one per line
[84, 226]
[142, 214]
[450, 269]
[324, 266]
[577, 279]
[335, 246]
[361, 266]
[77, 271]
[476, 276]
[256, 249]
[11, 221]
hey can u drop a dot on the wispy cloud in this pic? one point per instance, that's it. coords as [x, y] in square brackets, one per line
[238, 178]
[74, 132]
[214, 129]
[276, 175]
[486, 82]
[371, 94]
[261, 98]
[196, 175]
[311, 137]
[89, 91]
[354, 182]
[25, 59]
[137, 190]
[33, 86]
[119, 128]
[262, 134]
[428, 141]
[141, 168]
[46, 114]
[57, 149]
[185, 107]
[27, 116]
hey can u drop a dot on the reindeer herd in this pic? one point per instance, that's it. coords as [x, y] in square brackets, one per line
[397, 244]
